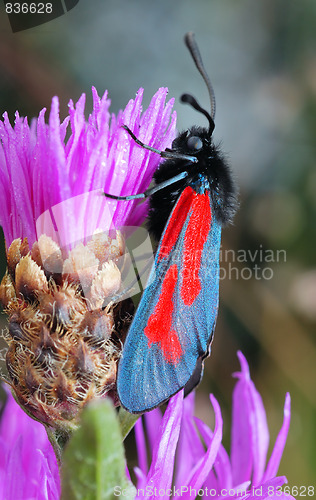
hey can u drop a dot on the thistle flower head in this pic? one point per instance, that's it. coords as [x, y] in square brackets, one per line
[66, 249]
[40, 168]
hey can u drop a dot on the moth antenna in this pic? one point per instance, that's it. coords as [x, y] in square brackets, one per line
[196, 56]
[189, 99]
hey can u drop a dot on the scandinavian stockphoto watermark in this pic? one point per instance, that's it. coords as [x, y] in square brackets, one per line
[247, 264]
[24, 15]
[71, 228]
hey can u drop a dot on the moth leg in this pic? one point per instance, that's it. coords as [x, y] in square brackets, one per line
[109, 301]
[150, 191]
[164, 154]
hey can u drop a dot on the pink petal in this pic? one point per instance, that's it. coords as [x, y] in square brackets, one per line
[161, 470]
[204, 466]
[153, 421]
[56, 157]
[241, 442]
[141, 479]
[276, 455]
[189, 445]
[222, 465]
[250, 435]
[141, 446]
[47, 485]
[14, 472]
[28, 468]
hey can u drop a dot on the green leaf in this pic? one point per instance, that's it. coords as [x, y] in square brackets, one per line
[127, 421]
[93, 461]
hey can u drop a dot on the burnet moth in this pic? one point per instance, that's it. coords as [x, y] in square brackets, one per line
[193, 197]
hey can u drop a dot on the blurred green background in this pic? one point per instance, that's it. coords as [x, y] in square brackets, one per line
[262, 61]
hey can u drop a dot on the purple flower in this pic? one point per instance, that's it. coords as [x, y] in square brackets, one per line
[66, 250]
[182, 467]
[28, 466]
[39, 168]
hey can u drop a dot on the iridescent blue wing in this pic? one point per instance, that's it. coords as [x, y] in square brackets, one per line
[172, 328]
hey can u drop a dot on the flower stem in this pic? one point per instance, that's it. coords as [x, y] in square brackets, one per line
[58, 439]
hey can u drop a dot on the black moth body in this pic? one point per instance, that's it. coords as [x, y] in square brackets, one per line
[211, 165]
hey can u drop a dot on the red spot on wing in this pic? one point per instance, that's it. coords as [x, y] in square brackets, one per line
[195, 236]
[158, 329]
[176, 222]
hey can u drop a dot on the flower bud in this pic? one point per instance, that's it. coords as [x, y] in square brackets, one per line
[63, 348]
